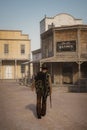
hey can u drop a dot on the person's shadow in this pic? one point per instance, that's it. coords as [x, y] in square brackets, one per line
[32, 107]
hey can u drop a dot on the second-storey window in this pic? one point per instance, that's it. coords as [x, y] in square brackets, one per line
[22, 49]
[6, 48]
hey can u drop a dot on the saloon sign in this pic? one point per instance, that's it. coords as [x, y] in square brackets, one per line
[66, 46]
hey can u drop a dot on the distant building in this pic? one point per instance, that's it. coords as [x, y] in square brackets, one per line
[59, 20]
[36, 56]
[14, 50]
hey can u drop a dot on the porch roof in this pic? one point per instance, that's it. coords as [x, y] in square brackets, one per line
[55, 59]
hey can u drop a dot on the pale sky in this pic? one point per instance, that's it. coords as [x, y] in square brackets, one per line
[25, 15]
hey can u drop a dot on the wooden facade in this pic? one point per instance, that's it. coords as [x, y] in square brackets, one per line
[65, 50]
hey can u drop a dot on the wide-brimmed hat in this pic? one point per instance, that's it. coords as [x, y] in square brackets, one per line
[44, 66]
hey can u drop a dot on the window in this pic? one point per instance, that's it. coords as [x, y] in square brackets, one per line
[51, 26]
[6, 48]
[22, 49]
[22, 68]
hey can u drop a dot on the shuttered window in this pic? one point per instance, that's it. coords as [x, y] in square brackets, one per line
[6, 48]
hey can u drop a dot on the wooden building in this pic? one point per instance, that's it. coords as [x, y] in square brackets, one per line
[64, 48]
[14, 50]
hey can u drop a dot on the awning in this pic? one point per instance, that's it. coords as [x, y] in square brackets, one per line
[56, 59]
[28, 62]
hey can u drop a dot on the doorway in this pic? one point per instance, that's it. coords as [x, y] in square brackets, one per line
[8, 72]
[67, 73]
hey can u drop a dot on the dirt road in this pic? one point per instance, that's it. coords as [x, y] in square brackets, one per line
[18, 112]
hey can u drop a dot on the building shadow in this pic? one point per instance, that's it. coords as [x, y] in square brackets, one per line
[32, 107]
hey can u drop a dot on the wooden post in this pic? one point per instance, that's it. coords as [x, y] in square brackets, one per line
[79, 75]
[0, 69]
[79, 63]
[15, 72]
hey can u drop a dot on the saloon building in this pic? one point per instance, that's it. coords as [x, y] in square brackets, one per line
[14, 51]
[64, 48]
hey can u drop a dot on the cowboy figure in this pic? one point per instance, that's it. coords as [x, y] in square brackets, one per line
[42, 84]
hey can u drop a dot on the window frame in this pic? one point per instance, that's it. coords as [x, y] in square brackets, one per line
[6, 48]
[22, 49]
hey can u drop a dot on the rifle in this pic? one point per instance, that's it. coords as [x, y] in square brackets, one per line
[50, 100]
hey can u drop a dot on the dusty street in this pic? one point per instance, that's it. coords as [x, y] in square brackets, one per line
[17, 109]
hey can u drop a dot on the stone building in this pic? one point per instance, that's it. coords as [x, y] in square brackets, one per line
[14, 50]
[64, 48]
